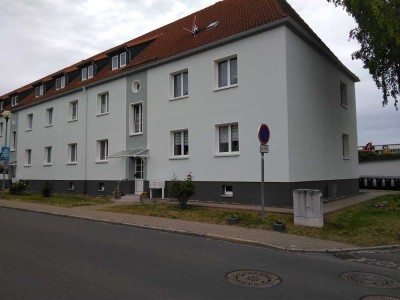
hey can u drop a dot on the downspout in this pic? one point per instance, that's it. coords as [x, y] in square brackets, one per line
[85, 136]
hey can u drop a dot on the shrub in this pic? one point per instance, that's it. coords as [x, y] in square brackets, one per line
[181, 190]
[47, 188]
[18, 187]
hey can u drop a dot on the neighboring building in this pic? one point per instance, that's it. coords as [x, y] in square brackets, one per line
[172, 102]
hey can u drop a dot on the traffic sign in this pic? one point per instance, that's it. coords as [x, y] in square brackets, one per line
[264, 148]
[5, 153]
[263, 134]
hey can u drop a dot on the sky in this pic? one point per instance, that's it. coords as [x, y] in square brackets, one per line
[39, 37]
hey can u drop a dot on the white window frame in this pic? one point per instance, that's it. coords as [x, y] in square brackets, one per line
[136, 119]
[14, 101]
[84, 74]
[47, 156]
[29, 122]
[227, 191]
[100, 98]
[101, 187]
[122, 64]
[71, 106]
[72, 160]
[13, 142]
[183, 155]
[61, 82]
[117, 61]
[39, 91]
[71, 186]
[49, 117]
[28, 157]
[114, 62]
[174, 75]
[90, 71]
[343, 95]
[102, 150]
[1, 129]
[230, 152]
[345, 146]
[229, 84]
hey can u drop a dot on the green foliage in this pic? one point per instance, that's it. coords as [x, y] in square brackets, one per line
[378, 33]
[18, 187]
[47, 188]
[181, 190]
[373, 156]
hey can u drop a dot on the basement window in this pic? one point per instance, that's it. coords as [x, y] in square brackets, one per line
[101, 187]
[71, 186]
[227, 191]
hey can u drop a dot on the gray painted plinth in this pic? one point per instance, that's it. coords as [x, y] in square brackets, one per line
[308, 208]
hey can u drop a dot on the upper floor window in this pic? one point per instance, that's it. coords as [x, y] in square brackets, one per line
[87, 72]
[227, 72]
[28, 157]
[228, 138]
[13, 145]
[102, 104]
[14, 101]
[39, 90]
[136, 118]
[72, 153]
[49, 116]
[343, 94]
[47, 155]
[61, 82]
[1, 128]
[29, 122]
[180, 84]
[181, 143]
[118, 61]
[73, 110]
[102, 150]
[345, 146]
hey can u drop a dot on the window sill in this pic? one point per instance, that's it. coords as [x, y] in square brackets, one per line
[227, 196]
[344, 106]
[101, 161]
[178, 98]
[27, 166]
[225, 87]
[12, 150]
[103, 114]
[346, 158]
[47, 165]
[136, 133]
[28, 130]
[70, 121]
[49, 125]
[227, 154]
[181, 157]
[72, 163]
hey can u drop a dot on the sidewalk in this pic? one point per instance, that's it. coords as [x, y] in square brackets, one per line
[254, 237]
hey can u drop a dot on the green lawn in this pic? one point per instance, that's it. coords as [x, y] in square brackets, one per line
[363, 225]
[59, 200]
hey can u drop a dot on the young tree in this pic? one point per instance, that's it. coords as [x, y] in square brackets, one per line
[378, 33]
[181, 190]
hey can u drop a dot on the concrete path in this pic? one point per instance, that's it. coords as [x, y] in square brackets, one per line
[254, 237]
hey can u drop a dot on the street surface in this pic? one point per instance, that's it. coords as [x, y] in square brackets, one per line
[51, 257]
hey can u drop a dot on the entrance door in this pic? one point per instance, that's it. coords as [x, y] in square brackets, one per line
[138, 175]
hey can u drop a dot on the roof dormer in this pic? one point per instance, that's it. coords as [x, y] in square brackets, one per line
[61, 82]
[88, 71]
[40, 90]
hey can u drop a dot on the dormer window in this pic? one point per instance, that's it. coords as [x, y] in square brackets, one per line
[118, 61]
[14, 101]
[39, 91]
[61, 82]
[87, 72]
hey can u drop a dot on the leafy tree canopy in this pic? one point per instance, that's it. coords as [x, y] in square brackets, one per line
[378, 33]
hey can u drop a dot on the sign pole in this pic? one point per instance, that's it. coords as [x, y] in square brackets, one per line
[263, 137]
[262, 189]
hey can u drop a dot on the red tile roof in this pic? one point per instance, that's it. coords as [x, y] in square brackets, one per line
[234, 16]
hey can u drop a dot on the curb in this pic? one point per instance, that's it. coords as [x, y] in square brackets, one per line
[207, 235]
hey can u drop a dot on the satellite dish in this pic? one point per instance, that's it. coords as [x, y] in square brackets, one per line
[195, 28]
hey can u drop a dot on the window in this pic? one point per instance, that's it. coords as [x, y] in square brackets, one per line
[181, 143]
[71, 186]
[102, 150]
[39, 90]
[28, 157]
[228, 138]
[101, 187]
[227, 191]
[227, 72]
[61, 82]
[1, 128]
[13, 141]
[345, 145]
[343, 94]
[136, 118]
[47, 155]
[72, 153]
[73, 110]
[102, 104]
[118, 61]
[49, 116]
[14, 101]
[180, 84]
[29, 122]
[87, 72]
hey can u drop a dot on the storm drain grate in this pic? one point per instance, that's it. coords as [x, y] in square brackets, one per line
[253, 279]
[377, 297]
[370, 280]
[345, 255]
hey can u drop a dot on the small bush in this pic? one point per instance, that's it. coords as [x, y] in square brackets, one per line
[18, 187]
[181, 190]
[47, 189]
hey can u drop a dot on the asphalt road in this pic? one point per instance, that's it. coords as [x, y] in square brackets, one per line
[51, 257]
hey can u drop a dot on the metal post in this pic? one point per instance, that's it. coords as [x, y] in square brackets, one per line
[262, 188]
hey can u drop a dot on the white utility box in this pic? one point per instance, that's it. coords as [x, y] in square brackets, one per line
[308, 208]
[157, 185]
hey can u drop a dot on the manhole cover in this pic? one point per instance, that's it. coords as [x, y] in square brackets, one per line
[370, 280]
[253, 279]
[377, 297]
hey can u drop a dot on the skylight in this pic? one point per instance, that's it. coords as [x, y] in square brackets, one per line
[212, 25]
